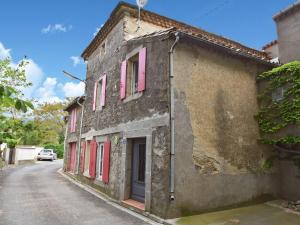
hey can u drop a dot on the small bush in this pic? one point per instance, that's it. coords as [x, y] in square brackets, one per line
[57, 148]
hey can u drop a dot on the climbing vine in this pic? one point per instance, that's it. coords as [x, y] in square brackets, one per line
[279, 118]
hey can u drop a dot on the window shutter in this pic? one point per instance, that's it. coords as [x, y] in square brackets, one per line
[142, 69]
[106, 161]
[82, 156]
[71, 121]
[103, 90]
[69, 157]
[73, 157]
[93, 157]
[75, 120]
[123, 80]
[95, 96]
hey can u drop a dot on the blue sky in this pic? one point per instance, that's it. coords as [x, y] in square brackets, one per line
[50, 32]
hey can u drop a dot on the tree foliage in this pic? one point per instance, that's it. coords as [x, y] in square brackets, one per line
[12, 81]
[49, 118]
[42, 125]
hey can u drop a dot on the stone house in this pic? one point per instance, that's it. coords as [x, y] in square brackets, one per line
[167, 123]
[286, 49]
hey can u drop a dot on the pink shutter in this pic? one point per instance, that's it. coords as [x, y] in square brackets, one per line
[142, 69]
[82, 156]
[123, 80]
[73, 157]
[106, 161]
[75, 120]
[95, 96]
[71, 121]
[69, 157]
[103, 91]
[93, 156]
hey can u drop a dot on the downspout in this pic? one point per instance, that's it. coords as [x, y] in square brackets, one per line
[172, 118]
[79, 141]
[65, 146]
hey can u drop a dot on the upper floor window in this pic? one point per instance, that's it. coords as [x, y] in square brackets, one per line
[133, 74]
[278, 94]
[99, 93]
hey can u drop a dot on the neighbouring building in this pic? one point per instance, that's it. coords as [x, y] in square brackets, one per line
[73, 133]
[21, 154]
[286, 49]
[167, 123]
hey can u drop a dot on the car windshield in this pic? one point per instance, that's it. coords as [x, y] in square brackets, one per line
[46, 151]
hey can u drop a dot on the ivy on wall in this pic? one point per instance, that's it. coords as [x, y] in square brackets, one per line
[277, 116]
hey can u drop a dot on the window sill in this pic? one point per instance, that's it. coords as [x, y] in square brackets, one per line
[99, 108]
[86, 174]
[133, 97]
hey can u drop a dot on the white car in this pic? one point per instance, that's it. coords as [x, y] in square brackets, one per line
[47, 154]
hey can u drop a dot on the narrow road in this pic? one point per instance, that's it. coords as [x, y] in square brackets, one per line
[38, 195]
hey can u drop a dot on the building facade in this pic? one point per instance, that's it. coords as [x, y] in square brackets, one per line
[167, 124]
[287, 49]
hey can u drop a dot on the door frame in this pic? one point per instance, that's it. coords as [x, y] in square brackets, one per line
[126, 161]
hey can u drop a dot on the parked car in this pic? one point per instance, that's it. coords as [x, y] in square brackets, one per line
[47, 154]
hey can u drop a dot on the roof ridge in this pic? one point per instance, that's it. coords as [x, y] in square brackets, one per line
[167, 22]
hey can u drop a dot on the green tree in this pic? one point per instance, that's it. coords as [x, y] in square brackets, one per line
[49, 118]
[12, 81]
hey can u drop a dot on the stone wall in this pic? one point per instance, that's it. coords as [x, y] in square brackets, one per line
[148, 113]
[218, 161]
[288, 31]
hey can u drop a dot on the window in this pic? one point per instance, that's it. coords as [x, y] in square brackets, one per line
[278, 94]
[132, 76]
[103, 48]
[133, 70]
[99, 93]
[100, 154]
[98, 98]
[87, 159]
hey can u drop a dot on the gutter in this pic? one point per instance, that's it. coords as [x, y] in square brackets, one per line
[172, 118]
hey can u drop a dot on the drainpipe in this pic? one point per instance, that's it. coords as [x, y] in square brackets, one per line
[172, 118]
[80, 131]
[65, 146]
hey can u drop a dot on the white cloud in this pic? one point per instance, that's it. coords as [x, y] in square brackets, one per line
[72, 89]
[52, 28]
[34, 75]
[76, 60]
[98, 29]
[4, 52]
[46, 93]
[45, 89]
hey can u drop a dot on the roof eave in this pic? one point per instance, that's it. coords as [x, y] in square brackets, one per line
[285, 11]
[229, 50]
[74, 102]
[117, 12]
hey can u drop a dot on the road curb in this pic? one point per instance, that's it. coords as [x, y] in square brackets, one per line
[151, 219]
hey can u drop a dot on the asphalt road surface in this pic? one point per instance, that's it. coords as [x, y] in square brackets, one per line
[38, 195]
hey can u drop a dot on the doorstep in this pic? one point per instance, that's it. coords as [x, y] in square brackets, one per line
[135, 204]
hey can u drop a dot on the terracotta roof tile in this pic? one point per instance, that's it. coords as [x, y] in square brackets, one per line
[165, 22]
